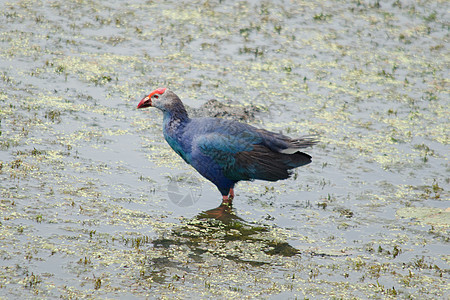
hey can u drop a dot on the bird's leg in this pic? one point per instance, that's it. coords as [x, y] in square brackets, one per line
[231, 194]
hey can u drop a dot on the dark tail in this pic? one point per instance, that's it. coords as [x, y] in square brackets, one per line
[265, 164]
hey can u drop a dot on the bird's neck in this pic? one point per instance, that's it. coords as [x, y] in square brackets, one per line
[176, 113]
[175, 119]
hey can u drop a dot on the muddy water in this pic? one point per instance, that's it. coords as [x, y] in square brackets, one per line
[95, 204]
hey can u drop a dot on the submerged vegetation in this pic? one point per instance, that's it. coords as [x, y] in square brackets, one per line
[85, 179]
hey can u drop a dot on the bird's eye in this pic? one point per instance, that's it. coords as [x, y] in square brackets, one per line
[155, 96]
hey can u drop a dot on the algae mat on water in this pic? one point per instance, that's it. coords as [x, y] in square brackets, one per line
[89, 188]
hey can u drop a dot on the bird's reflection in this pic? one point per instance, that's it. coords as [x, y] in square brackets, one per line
[224, 213]
[236, 228]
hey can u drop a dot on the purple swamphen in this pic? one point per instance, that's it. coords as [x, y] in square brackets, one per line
[226, 151]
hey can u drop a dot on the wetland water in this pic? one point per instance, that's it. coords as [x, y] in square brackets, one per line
[91, 193]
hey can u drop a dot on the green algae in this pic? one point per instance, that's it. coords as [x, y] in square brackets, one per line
[427, 215]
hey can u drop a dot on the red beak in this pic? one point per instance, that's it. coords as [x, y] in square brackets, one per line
[146, 102]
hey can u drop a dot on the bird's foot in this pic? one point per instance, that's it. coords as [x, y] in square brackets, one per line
[227, 201]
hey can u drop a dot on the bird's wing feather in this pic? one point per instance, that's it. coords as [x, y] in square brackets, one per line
[244, 152]
[284, 144]
[240, 159]
[221, 148]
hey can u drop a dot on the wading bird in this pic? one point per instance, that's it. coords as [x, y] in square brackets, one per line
[226, 151]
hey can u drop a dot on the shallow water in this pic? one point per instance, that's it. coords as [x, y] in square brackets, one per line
[93, 200]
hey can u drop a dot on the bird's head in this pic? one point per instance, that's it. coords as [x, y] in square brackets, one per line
[157, 98]
[165, 100]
